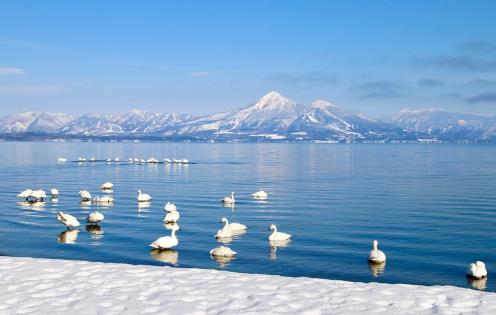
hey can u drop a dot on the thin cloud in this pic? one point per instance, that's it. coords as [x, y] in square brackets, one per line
[379, 89]
[455, 62]
[200, 74]
[430, 83]
[11, 71]
[134, 64]
[487, 97]
[478, 46]
[307, 78]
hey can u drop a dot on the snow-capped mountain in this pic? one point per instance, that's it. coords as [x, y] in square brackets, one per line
[272, 113]
[272, 117]
[446, 125]
[33, 122]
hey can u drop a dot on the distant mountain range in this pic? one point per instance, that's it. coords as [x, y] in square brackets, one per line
[271, 118]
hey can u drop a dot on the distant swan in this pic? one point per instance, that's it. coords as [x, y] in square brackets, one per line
[95, 217]
[55, 193]
[167, 160]
[60, 159]
[376, 255]
[223, 251]
[25, 194]
[152, 160]
[229, 199]
[103, 199]
[169, 207]
[106, 186]
[278, 236]
[67, 220]
[143, 197]
[184, 161]
[172, 217]
[166, 242]
[477, 270]
[233, 226]
[260, 195]
[85, 195]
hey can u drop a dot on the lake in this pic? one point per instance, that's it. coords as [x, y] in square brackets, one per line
[432, 207]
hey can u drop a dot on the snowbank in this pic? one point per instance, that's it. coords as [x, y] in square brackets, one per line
[45, 286]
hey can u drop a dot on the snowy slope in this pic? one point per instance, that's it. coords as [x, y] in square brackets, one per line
[33, 122]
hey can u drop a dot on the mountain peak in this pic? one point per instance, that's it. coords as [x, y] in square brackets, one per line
[322, 104]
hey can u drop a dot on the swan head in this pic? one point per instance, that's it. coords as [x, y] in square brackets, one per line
[61, 216]
[139, 191]
[232, 193]
[272, 227]
[223, 220]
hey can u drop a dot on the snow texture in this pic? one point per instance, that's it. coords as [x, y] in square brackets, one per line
[45, 286]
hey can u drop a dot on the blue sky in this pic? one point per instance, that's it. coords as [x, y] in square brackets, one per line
[206, 56]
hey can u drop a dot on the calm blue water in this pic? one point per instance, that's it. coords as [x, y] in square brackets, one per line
[432, 207]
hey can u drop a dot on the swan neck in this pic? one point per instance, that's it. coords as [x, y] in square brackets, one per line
[226, 224]
[173, 233]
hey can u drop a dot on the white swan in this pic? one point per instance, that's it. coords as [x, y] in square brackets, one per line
[260, 195]
[167, 160]
[130, 160]
[67, 220]
[103, 199]
[376, 255]
[117, 160]
[37, 195]
[278, 236]
[477, 270]
[184, 161]
[85, 195]
[169, 207]
[177, 160]
[60, 159]
[223, 251]
[229, 199]
[143, 197]
[152, 160]
[107, 186]
[142, 161]
[225, 232]
[233, 226]
[166, 242]
[25, 194]
[92, 159]
[136, 160]
[95, 217]
[55, 193]
[172, 217]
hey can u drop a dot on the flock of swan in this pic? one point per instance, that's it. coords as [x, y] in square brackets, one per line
[150, 160]
[476, 270]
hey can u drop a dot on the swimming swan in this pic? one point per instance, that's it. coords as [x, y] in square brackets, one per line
[278, 236]
[67, 220]
[233, 226]
[172, 217]
[376, 255]
[260, 195]
[166, 242]
[55, 193]
[229, 200]
[85, 195]
[225, 232]
[169, 207]
[143, 197]
[223, 251]
[107, 186]
[477, 270]
[37, 195]
[95, 217]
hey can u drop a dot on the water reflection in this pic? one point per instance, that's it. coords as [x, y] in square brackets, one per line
[479, 284]
[224, 240]
[54, 200]
[34, 206]
[144, 204]
[376, 269]
[169, 256]
[274, 245]
[68, 237]
[171, 226]
[96, 233]
[223, 261]
[107, 191]
[85, 205]
[229, 205]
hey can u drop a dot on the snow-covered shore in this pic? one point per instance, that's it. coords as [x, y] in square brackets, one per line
[45, 286]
